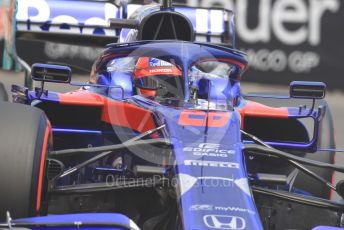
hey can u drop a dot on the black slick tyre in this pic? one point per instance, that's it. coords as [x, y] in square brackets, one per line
[24, 140]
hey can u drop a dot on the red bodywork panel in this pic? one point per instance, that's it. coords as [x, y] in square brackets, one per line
[127, 115]
[130, 116]
[199, 118]
[114, 112]
[254, 109]
[82, 98]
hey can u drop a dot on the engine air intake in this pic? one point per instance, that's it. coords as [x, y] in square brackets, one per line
[166, 26]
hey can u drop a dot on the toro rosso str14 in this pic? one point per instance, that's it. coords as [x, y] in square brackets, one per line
[161, 137]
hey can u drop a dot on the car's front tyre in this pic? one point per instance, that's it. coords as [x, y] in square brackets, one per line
[24, 141]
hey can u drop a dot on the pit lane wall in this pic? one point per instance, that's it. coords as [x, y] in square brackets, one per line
[285, 40]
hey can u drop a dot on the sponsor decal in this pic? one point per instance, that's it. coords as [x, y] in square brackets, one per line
[202, 118]
[279, 60]
[234, 209]
[218, 164]
[209, 146]
[294, 38]
[201, 207]
[87, 19]
[224, 222]
[160, 71]
[207, 207]
[209, 149]
[299, 34]
[153, 62]
[275, 15]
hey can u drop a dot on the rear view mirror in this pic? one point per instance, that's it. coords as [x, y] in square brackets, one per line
[51, 73]
[307, 90]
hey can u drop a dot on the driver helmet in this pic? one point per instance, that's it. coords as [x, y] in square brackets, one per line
[154, 76]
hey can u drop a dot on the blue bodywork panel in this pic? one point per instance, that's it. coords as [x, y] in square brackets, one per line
[79, 221]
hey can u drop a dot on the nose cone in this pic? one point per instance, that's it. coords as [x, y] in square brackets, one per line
[212, 184]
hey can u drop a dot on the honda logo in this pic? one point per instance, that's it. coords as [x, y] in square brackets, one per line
[224, 222]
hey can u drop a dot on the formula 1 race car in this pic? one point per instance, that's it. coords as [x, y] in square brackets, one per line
[161, 137]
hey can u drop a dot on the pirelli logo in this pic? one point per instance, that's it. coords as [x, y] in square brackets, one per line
[218, 164]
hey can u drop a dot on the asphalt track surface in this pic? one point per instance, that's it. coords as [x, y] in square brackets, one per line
[334, 98]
